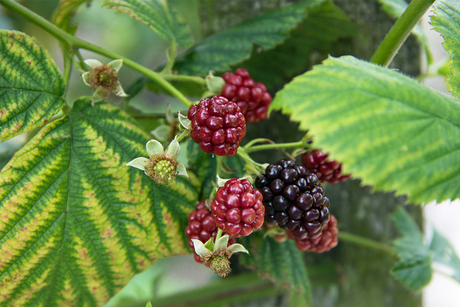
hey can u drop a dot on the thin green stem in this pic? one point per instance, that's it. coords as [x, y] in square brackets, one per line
[219, 162]
[194, 79]
[183, 135]
[218, 235]
[400, 31]
[345, 236]
[74, 42]
[259, 140]
[277, 146]
[171, 59]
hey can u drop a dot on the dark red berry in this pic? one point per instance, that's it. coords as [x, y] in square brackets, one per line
[218, 125]
[316, 162]
[293, 199]
[252, 97]
[323, 243]
[237, 208]
[201, 226]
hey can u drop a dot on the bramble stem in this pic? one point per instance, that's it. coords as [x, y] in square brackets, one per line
[400, 31]
[198, 80]
[171, 58]
[74, 42]
[218, 235]
[277, 146]
[183, 135]
[219, 161]
[345, 236]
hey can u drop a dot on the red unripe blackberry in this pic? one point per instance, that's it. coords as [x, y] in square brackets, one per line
[237, 208]
[201, 226]
[252, 97]
[293, 199]
[316, 162]
[326, 241]
[218, 125]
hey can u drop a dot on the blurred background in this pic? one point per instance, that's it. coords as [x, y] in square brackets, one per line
[128, 37]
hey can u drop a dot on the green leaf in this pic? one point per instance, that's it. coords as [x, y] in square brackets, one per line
[204, 166]
[230, 46]
[395, 8]
[31, 85]
[414, 269]
[446, 20]
[157, 16]
[384, 127]
[443, 253]
[75, 223]
[323, 25]
[64, 11]
[283, 262]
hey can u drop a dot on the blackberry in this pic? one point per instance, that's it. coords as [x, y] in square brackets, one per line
[201, 226]
[218, 125]
[326, 241]
[252, 97]
[331, 171]
[293, 199]
[237, 208]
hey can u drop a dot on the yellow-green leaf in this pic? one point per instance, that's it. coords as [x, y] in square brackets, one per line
[75, 223]
[386, 128]
[63, 13]
[446, 20]
[31, 85]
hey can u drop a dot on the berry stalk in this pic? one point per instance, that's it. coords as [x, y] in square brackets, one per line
[400, 31]
[345, 236]
[276, 146]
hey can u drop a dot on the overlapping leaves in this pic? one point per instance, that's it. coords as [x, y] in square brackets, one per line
[31, 85]
[230, 46]
[404, 140]
[76, 224]
[158, 16]
[446, 20]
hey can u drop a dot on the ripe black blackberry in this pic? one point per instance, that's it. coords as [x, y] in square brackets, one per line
[293, 199]
[318, 163]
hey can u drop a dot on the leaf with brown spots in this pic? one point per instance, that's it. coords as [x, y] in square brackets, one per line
[31, 85]
[75, 223]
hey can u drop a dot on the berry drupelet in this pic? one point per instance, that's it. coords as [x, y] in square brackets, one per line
[237, 208]
[218, 125]
[293, 199]
[202, 227]
[325, 242]
[331, 171]
[252, 97]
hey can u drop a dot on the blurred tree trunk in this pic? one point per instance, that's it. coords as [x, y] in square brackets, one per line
[366, 278]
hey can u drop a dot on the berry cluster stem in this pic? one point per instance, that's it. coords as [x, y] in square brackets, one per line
[400, 31]
[276, 146]
[345, 236]
[183, 135]
[76, 43]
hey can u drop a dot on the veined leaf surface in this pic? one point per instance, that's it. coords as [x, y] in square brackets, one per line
[75, 223]
[158, 16]
[414, 268]
[232, 45]
[446, 20]
[386, 128]
[31, 85]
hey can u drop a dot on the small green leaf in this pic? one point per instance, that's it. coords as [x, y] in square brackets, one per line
[76, 224]
[283, 262]
[233, 45]
[204, 166]
[64, 11]
[395, 8]
[446, 20]
[384, 127]
[414, 269]
[323, 25]
[149, 304]
[158, 16]
[443, 253]
[31, 85]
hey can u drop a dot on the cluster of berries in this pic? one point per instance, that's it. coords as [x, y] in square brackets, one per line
[294, 200]
[316, 162]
